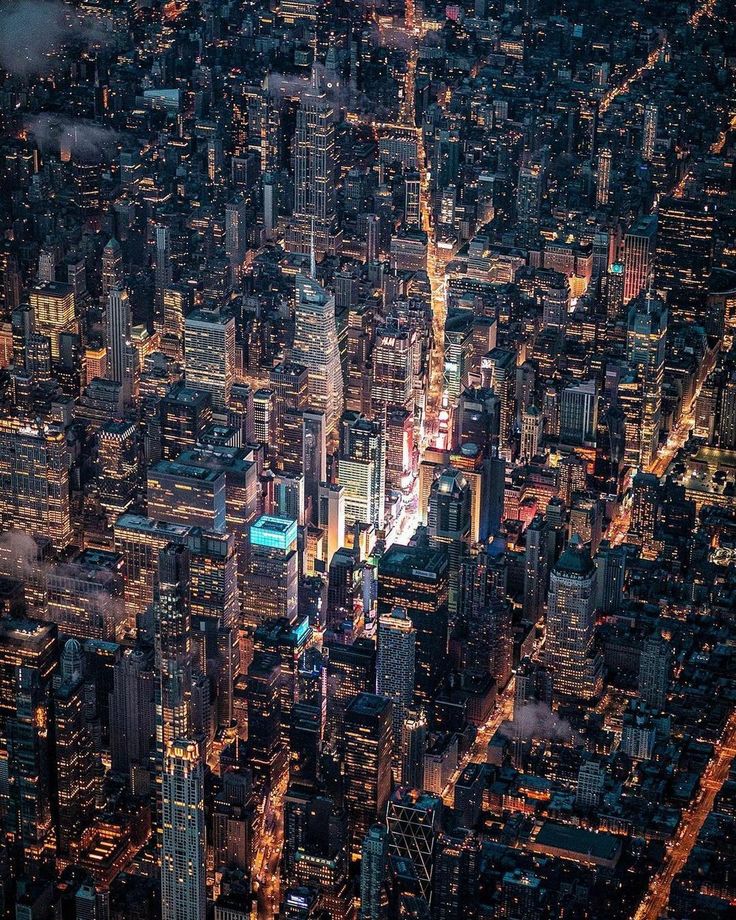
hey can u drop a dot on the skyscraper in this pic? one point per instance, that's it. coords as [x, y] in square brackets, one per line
[413, 819]
[34, 479]
[368, 745]
[271, 580]
[655, 663]
[448, 525]
[331, 517]
[532, 424]
[173, 644]
[373, 865]
[77, 776]
[122, 359]
[685, 241]
[54, 310]
[603, 177]
[316, 347]
[639, 244]
[395, 669]
[538, 557]
[27, 662]
[649, 131]
[209, 349]
[646, 339]
[570, 652]
[112, 267]
[314, 174]
[183, 871]
[362, 469]
[164, 267]
[529, 200]
[416, 578]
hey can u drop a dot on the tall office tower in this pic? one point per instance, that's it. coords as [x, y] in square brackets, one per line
[139, 540]
[77, 776]
[395, 668]
[614, 289]
[655, 664]
[570, 652]
[400, 450]
[265, 417]
[314, 221]
[579, 414]
[393, 384]
[362, 469]
[27, 663]
[236, 239]
[187, 493]
[413, 748]
[272, 572]
[487, 615]
[112, 267]
[532, 425]
[351, 669]
[314, 458]
[117, 453]
[29, 810]
[288, 496]
[54, 310]
[685, 257]
[343, 588]
[644, 507]
[610, 577]
[413, 820]
[289, 641]
[367, 767]
[177, 302]
[164, 266]
[38, 357]
[184, 415]
[458, 355]
[209, 350]
[86, 181]
[538, 558]
[132, 709]
[412, 200]
[373, 866]
[649, 131]
[183, 870]
[498, 369]
[529, 199]
[173, 646]
[263, 694]
[289, 381]
[47, 261]
[456, 876]
[122, 358]
[34, 475]
[603, 177]
[645, 342]
[639, 245]
[417, 578]
[316, 347]
[331, 518]
[448, 525]
[478, 415]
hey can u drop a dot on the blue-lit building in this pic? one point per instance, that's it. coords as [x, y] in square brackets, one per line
[272, 571]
